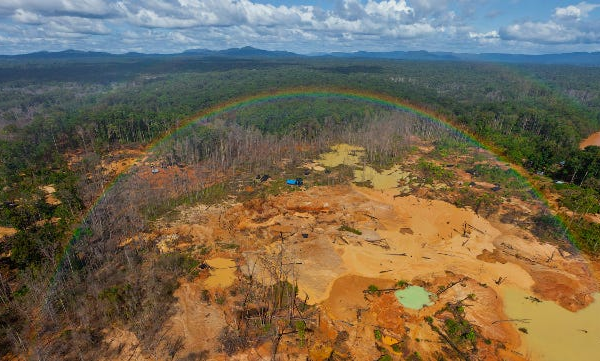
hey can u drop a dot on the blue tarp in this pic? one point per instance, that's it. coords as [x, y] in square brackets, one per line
[294, 182]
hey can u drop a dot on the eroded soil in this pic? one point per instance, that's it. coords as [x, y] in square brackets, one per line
[387, 238]
[348, 248]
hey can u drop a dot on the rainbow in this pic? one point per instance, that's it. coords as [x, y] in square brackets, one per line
[295, 93]
[302, 93]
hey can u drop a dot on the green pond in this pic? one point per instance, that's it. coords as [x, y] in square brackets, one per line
[414, 297]
[554, 333]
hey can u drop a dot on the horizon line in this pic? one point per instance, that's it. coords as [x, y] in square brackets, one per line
[309, 54]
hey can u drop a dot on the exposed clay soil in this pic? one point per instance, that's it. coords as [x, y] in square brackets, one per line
[593, 139]
[7, 232]
[197, 321]
[406, 238]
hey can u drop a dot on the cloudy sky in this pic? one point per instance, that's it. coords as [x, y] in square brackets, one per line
[303, 26]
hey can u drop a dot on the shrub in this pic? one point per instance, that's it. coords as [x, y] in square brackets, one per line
[372, 289]
[346, 228]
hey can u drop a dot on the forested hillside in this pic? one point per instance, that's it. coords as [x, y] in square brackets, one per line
[62, 119]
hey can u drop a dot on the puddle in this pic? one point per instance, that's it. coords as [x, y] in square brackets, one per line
[554, 333]
[351, 155]
[222, 273]
[387, 179]
[414, 297]
[342, 154]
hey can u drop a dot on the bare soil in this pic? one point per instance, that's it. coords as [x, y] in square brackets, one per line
[593, 139]
[393, 238]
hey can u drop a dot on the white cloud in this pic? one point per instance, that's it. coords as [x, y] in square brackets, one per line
[267, 15]
[489, 35]
[570, 12]
[75, 25]
[349, 9]
[568, 25]
[574, 12]
[173, 25]
[26, 17]
[390, 10]
[411, 31]
[193, 13]
[349, 19]
[180, 38]
[150, 19]
[427, 7]
[541, 32]
[82, 8]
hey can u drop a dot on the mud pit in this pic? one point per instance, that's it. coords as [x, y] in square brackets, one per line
[388, 238]
[222, 274]
[554, 333]
[351, 156]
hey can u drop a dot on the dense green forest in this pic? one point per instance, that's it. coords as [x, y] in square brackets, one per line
[534, 115]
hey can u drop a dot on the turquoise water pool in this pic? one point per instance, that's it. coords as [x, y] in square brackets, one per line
[414, 297]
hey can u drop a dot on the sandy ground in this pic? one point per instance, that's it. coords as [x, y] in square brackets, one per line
[7, 232]
[197, 321]
[401, 238]
[593, 139]
[336, 242]
[50, 197]
[122, 345]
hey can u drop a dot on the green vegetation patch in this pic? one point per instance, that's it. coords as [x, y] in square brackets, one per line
[505, 178]
[459, 331]
[586, 235]
[578, 199]
[431, 172]
[481, 202]
[451, 146]
[346, 228]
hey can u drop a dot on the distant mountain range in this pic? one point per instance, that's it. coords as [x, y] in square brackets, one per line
[247, 51]
[580, 58]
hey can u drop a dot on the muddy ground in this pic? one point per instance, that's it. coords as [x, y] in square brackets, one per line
[348, 248]
[386, 239]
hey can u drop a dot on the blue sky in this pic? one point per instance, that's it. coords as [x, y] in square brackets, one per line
[302, 26]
